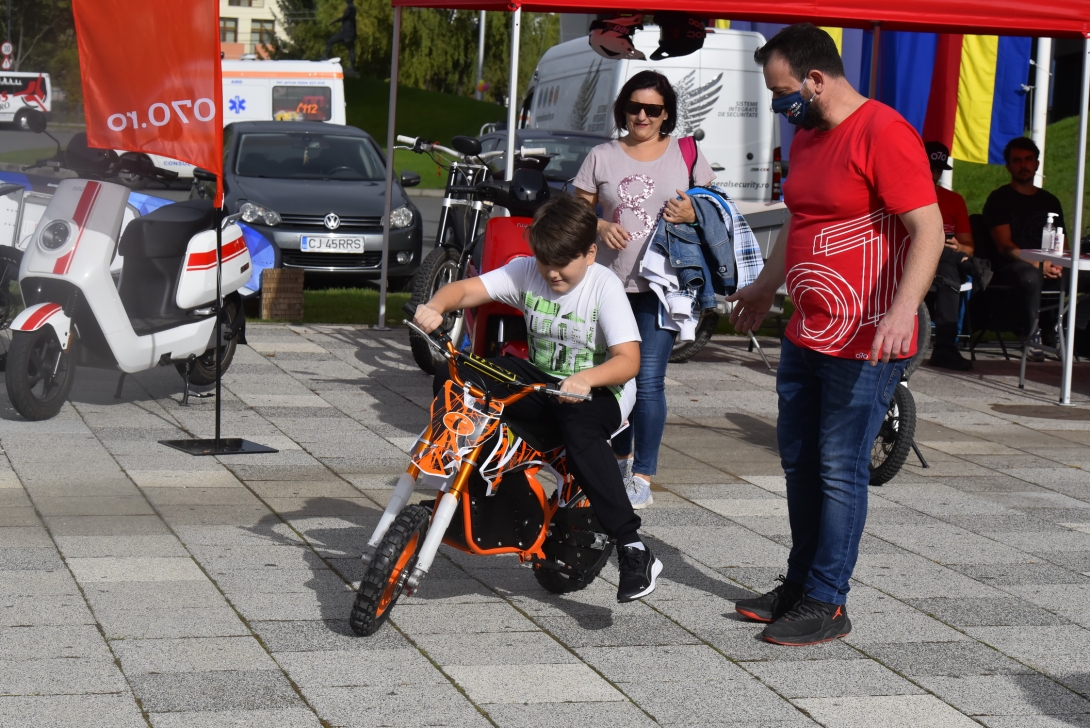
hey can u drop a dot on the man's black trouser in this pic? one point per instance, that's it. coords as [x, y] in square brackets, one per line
[946, 300]
[1019, 309]
[584, 428]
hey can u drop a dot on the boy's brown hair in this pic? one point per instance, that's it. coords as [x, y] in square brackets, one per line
[564, 228]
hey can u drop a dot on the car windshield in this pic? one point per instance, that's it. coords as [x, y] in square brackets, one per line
[569, 155]
[306, 155]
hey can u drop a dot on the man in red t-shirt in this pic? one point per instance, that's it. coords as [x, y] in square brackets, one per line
[858, 253]
[956, 264]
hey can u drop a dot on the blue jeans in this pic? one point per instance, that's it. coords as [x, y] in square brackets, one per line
[830, 413]
[648, 419]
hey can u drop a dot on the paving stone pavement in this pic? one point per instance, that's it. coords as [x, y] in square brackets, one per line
[144, 587]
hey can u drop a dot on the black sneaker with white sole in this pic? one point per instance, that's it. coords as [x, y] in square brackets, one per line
[639, 568]
[772, 605]
[809, 623]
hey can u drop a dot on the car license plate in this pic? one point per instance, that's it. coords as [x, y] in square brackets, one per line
[331, 243]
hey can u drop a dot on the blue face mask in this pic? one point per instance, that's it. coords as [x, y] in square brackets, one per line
[793, 106]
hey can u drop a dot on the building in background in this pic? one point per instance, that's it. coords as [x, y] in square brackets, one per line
[248, 27]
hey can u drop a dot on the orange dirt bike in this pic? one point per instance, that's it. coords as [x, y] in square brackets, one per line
[490, 500]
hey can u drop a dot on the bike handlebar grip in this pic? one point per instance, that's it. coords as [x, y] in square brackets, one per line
[166, 173]
[532, 151]
[409, 309]
[406, 140]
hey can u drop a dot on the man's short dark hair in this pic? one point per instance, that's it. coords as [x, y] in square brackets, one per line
[806, 48]
[1025, 144]
[564, 228]
[653, 80]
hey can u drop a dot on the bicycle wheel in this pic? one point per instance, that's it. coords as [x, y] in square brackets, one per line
[891, 447]
[686, 350]
[923, 341]
[438, 269]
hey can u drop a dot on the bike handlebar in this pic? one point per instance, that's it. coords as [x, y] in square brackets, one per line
[483, 366]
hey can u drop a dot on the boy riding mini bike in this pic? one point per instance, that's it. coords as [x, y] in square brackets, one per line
[497, 423]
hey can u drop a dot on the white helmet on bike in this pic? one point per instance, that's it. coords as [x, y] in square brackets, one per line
[612, 37]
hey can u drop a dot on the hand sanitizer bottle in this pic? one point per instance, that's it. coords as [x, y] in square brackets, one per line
[1058, 242]
[1048, 234]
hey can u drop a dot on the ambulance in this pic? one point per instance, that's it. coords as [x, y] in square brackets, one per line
[20, 91]
[256, 90]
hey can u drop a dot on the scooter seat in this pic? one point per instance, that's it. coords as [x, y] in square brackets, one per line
[165, 233]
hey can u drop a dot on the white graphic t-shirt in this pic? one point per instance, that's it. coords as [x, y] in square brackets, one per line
[633, 193]
[570, 332]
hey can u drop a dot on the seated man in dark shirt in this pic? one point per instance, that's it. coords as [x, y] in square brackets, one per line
[955, 265]
[1016, 214]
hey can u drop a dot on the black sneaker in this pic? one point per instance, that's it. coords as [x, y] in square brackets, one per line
[948, 357]
[809, 623]
[774, 604]
[639, 568]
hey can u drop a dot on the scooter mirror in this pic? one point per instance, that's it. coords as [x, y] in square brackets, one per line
[35, 121]
[86, 160]
[409, 179]
[466, 145]
[204, 175]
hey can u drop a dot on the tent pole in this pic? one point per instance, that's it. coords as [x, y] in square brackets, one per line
[1076, 238]
[480, 56]
[512, 92]
[876, 41]
[391, 138]
[1041, 82]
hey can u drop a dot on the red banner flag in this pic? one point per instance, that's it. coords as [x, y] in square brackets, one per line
[152, 78]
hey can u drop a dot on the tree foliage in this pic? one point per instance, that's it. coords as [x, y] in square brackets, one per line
[438, 47]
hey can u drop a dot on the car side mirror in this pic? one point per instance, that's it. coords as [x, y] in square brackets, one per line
[35, 120]
[409, 179]
[204, 175]
[466, 145]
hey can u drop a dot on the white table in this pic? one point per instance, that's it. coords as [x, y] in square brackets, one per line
[1067, 332]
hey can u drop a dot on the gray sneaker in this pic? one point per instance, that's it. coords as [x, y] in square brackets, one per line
[639, 493]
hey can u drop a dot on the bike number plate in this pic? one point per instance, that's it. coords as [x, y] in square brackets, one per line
[331, 243]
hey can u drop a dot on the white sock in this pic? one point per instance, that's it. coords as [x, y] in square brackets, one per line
[636, 545]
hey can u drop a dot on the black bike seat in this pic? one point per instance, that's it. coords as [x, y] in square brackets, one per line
[165, 233]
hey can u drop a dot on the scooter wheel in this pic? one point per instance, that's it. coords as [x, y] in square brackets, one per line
[394, 558]
[39, 373]
[203, 371]
[684, 351]
[894, 439]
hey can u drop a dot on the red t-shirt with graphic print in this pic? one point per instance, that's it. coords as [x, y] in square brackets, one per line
[846, 247]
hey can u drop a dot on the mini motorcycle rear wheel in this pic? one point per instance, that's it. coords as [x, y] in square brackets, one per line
[395, 556]
[559, 582]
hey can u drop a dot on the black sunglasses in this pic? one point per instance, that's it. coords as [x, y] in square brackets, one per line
[653, 111]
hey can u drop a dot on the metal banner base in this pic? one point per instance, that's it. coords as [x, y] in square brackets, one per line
[221, 446]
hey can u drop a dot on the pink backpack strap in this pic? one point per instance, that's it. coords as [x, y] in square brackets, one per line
[688, 153]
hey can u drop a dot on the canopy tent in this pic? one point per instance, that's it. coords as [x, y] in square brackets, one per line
[1040, 18]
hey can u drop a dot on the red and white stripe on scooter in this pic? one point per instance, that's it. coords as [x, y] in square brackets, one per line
[79, 217]
[37, 318]
[207, 259]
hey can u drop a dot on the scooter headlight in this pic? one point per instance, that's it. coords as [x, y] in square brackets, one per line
[257, 213]
[402, 217]
[55, 235]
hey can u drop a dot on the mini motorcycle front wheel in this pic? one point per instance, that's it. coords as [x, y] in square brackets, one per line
[39, 373]
[390, 566]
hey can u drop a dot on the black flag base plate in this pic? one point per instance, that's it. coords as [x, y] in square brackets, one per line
[222, 446]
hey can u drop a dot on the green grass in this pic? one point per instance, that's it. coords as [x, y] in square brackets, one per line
[351, 306]
[975, 182]
[26, 156]
[428, 114]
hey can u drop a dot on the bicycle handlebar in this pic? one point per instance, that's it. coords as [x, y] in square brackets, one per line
[482, 366]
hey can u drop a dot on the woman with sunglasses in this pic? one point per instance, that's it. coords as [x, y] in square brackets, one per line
[636, 178]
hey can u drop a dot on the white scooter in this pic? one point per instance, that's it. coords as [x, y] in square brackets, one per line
[161, 311]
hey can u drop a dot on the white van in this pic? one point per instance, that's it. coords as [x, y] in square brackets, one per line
[720, 90]
[269, 90]
[20, 91]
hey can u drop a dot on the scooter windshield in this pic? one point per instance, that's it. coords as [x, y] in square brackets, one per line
[459, 422]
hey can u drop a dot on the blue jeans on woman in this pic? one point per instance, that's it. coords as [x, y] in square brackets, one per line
[648, 418]
[830, 412]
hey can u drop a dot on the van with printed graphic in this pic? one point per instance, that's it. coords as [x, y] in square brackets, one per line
[255, 90]
[21, 91]
[720, 92]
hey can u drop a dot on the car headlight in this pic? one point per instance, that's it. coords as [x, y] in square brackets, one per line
[257, 213]
[402, 217]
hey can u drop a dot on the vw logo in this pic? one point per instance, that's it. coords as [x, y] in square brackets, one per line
[332, 221]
